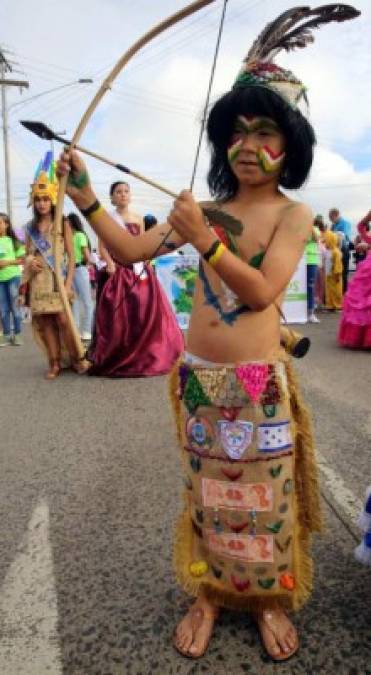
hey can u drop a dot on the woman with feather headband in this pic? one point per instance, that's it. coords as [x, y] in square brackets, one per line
[251, 489]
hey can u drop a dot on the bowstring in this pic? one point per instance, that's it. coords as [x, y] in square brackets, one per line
[198, 148]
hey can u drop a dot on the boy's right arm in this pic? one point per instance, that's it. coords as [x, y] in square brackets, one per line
[122, 246]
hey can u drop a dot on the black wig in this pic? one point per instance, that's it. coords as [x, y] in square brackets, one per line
[257, 101]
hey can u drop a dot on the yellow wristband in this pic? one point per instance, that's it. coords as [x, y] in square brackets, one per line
[215, 257]
[93, 216]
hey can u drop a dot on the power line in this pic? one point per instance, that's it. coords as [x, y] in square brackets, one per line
[82, 80]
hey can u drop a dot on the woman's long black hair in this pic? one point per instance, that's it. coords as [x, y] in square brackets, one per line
[9, 231]
[257, 101]
[77, 225]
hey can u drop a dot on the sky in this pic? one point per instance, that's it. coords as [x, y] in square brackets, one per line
[150, 119]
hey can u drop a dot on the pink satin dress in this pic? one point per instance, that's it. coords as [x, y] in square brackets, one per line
[136, 333]
[355, 324]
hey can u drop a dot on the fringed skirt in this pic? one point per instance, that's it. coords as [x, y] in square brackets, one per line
[251, 489]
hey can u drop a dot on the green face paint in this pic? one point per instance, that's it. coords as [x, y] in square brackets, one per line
[248, 125]
[79, 181]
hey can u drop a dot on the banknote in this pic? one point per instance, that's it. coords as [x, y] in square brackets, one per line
[218, 494]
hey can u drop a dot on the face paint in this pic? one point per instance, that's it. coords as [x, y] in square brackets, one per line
[250, 124]
[269, 161]
[234, 150]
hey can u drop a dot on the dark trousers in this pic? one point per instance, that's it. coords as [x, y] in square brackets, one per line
[346, 256]
[311, 282]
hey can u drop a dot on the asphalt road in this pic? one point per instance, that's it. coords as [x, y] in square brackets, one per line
[90, 484]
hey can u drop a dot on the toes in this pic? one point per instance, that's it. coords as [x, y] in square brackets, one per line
[291, 638]
[183, 642]
[288, 641]
[182, 637]
[283, 643]
[274, 648]
[186, 639]
[198, 645]
[270, 642]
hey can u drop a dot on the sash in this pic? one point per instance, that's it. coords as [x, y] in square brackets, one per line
[42, 245]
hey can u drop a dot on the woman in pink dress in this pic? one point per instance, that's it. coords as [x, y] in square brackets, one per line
[136, 333]
[355, 324]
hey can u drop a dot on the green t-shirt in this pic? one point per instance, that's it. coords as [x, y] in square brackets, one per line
[311, 250]
[9, 252]
[80, 241]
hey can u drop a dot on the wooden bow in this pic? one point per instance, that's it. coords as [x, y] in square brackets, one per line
[106, 85]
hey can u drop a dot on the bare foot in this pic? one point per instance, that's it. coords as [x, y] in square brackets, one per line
[278, 634]
[193, 633]
[54, 370]
[81, 366]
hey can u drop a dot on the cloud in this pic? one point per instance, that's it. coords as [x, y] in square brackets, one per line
[151, 119]
[342, 187]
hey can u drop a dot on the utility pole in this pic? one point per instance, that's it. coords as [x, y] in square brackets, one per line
[4, 68]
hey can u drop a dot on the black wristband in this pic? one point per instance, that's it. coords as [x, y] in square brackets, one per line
[93, 207]
[210, 251]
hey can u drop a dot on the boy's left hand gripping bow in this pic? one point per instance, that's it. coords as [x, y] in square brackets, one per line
[106, 85]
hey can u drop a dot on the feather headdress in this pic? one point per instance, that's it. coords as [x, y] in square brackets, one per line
[291, 30]
[45, 183]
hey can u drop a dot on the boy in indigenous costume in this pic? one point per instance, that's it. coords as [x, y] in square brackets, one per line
[251, 490]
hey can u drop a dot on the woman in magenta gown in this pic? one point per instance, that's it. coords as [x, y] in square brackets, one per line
[136, 333]
[355, 324]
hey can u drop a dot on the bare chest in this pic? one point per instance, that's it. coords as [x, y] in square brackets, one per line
[254, 237]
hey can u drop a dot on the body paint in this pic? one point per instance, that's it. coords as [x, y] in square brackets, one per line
[212, 299]
[79, 180]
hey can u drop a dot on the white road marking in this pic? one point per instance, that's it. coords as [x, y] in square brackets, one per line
[28, 599]
[28, 605]
[345, 498]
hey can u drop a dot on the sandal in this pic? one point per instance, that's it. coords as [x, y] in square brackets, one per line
[81, 366]
[54, 370]
[278, 635]
[196, 618]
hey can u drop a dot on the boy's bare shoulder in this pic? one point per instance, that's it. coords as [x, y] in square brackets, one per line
[296, 217]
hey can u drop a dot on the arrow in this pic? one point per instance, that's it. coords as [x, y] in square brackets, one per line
[41, 130]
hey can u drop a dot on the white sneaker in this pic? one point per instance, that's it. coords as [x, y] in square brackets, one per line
[313, 319]
[86, 337]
